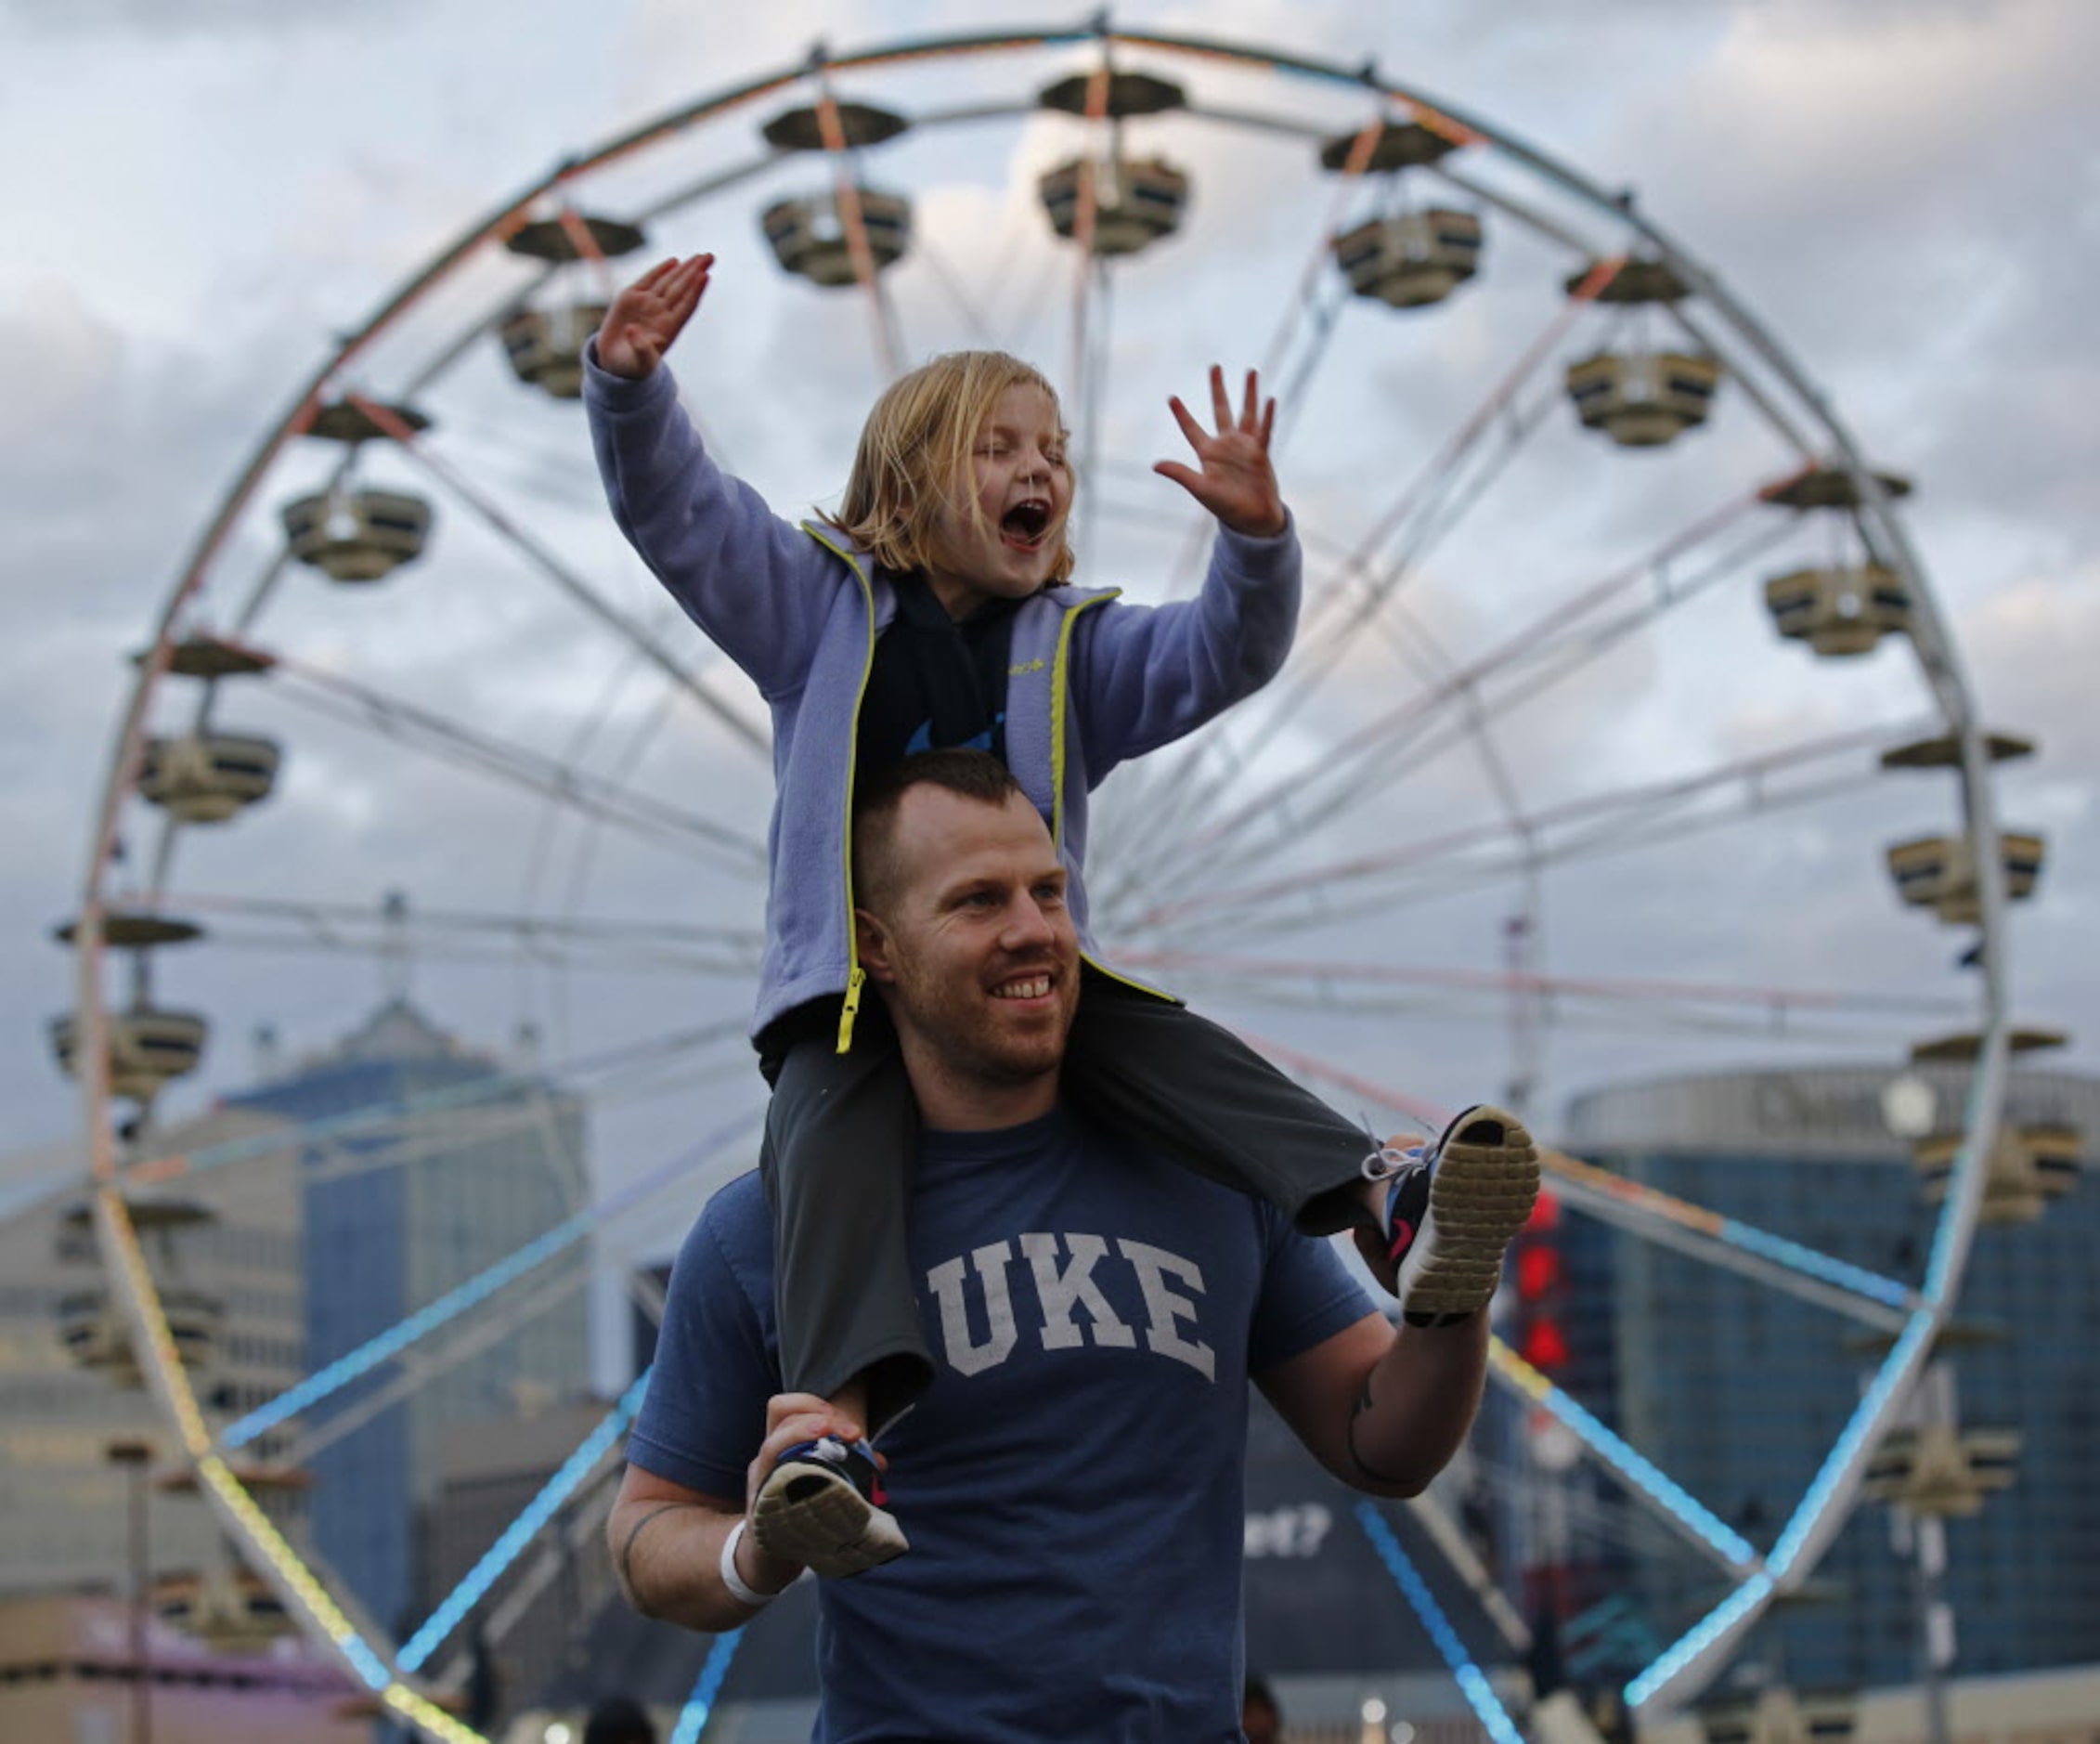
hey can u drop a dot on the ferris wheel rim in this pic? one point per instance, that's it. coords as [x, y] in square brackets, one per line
[1700, 1652]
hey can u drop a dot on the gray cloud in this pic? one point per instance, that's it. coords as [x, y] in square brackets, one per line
[185, 18]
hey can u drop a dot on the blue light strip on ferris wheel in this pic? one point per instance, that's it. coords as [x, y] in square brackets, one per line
[706, 1689]
[1625, 1460]
[1857, 1279]
[1473, 1681]
[395, 1339]
[1813, 1505]
[522, 1531]
[1723, 1617]
[1895, 1366]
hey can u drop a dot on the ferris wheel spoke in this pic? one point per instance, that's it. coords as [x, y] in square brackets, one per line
[342, 922]
[599, 1449]
[273, 571]
[1416, 885]
[389, 1113]
[1728, 1243]
[1419, 498]
[1744, 380]
[1317, 269]
[395, 1144]
[1526, 213]
[1615, 1516]
[1324, 646]
[405, 723]
[1323, 651]
[1593, 823]
[1787, 1266]
[579, 590]
[1086, 216]
[951, 282]
[478, 1289]
[413, 1370]
[478, 334]
[1643, 1476]
[541, 954]
[1556, 646]
[1486, 1009]
[547, 828]
[357, 927]
[1371, 760]
[585, 1520]
[1772, 1007]
[1324, 313]
[1666, 1499]
[846, 192]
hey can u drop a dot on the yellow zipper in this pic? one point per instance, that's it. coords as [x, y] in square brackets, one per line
[856, 977]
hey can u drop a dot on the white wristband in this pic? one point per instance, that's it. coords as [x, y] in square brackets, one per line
[739, 1589]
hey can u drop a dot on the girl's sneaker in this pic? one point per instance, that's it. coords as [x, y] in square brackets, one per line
[1450, 1211]
[823, 1506]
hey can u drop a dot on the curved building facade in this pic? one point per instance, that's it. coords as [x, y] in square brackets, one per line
[1739, 1390]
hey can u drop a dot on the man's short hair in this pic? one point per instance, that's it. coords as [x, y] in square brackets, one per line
[973, 774]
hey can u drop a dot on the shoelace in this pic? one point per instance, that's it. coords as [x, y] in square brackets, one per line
[1388, 1160]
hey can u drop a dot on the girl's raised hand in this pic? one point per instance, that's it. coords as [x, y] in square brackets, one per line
[1235, 482]
[650, 313]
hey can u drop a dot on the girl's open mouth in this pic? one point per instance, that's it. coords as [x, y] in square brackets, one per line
[1024, 524]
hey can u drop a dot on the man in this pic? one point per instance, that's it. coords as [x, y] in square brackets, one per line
[1076, 1502]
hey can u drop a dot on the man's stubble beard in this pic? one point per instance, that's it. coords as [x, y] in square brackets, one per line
[954, 1031]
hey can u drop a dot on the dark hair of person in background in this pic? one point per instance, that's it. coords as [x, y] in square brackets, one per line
[619, 1721]
[1260, 1718]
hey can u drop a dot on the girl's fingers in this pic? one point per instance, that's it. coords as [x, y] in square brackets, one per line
[1268, 424]
[1221, 406]
[1189, 427]
[1250, 408]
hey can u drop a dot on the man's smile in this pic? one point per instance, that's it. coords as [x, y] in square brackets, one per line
[1023, 987]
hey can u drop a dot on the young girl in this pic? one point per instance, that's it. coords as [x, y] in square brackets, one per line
[933, 611]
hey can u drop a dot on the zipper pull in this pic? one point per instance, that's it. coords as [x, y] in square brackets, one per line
[852, 1009]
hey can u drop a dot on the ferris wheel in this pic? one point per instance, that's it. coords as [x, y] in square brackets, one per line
[1606, 612]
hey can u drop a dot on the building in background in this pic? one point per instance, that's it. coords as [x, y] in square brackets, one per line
[423, 1163]
[1738, 1391]
[223, 1242]
[68, 1675]
[120, 1601]
[530, 1628]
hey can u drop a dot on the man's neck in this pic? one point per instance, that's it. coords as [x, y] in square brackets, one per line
[949, 1103]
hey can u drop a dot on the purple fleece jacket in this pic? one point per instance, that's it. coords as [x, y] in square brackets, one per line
[798, 608]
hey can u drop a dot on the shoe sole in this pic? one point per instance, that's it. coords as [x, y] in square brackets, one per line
[1485, 1184]
[808, 1515]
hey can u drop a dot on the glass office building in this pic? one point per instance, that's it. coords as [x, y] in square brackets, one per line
[1739, 1390]
[423, 1163]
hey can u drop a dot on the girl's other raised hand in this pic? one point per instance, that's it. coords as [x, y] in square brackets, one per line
[650, 313]
[1232, 477]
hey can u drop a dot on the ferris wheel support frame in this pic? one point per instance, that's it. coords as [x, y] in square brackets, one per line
[1685, 1668]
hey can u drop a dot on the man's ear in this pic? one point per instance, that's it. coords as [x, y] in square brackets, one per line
[870, 939]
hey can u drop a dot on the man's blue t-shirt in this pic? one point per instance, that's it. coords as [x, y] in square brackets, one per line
[1071, 1482]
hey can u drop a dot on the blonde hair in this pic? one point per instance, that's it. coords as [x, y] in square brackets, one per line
[915, 451]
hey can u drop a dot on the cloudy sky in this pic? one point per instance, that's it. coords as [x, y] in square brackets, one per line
[205, 194]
